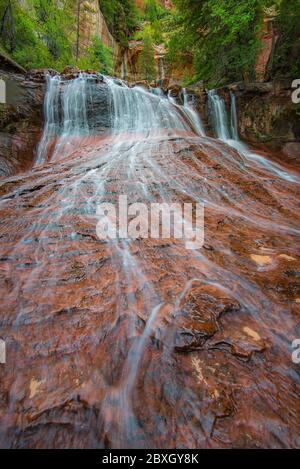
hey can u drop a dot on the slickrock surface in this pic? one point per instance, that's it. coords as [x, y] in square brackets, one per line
[145, 343]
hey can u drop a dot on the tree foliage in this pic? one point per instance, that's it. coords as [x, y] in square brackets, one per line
[146, 62]
[153, 11]
[221, 37]
[98, 57]
[224, 37]
[287, 53]
[122, 17]
[44, 33]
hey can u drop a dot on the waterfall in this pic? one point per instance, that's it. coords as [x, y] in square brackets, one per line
[130, 106]
[171, 98]
[75, 123]
[51, 112]
[123, 69]
[66, 115]
[189, 111]
[218, 116]
[128, 336]
[229, 134]
[234, 121]
[192, 114]
[157, 91]
[72, 113]
[72, 99]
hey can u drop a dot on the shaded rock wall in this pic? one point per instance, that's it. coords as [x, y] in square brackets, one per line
[22, 118]
[130, 62]
[266, 113]
[21, 122]
[9, 65]
[92, 23]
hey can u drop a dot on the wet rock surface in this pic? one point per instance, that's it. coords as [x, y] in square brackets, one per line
[22, 118]
[143, 342]
[147, 344]
[266, 113]
[21, 121]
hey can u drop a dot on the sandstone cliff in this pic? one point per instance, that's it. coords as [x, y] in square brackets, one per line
[92, 23]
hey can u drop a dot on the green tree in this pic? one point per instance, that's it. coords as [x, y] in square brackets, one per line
[56, 27]
[37, 33]
[223, 36]
[154, 11]
[98, 57]
[146, 62]
[122, 17]
[287, 53]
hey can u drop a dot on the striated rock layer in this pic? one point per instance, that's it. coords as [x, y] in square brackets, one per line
[143, 343]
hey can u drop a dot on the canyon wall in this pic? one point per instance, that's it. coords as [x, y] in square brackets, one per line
[92, 23]
[268, 37]
[21, 121]
[267, 115]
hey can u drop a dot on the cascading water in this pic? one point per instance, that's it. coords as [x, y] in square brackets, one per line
[218, 116]
[161, 64]
[66, 119]
[192, 114]
[234, 120]
[51, 127]
[130, 106]
[142, 342]
[230, 135]
[189, 111]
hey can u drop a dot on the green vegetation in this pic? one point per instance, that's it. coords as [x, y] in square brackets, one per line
[97, 57]
[122, 17]
[153, 22]
[146, 63]
[44, 33]
[287, 55]
[223, 37]
[154, 11]
[151, 33]
[35, 35]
